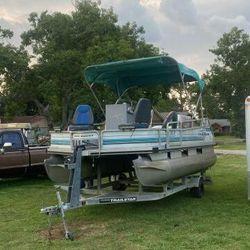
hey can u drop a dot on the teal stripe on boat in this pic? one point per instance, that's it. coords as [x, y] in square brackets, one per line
[149, 140]
[60, 142]
[131, 140]
[134, 140]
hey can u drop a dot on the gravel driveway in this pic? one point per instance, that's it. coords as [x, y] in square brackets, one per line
[230, 152]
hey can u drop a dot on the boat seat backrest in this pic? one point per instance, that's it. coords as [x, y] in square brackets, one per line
[142, 113]
[171, 117]
[83, 118]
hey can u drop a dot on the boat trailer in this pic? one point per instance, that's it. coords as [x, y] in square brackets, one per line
[194, 183]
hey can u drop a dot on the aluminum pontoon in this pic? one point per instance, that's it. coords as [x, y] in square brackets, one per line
[129, 149]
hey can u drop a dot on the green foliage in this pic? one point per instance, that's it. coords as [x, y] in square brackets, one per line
[13, 68]
[65, 44]
[229, 78]
[214, 108]
[5, 33]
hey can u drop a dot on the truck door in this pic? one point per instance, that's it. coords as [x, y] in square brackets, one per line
[16, 156]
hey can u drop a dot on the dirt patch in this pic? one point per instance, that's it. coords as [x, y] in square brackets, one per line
[54, 233]
[80, 230]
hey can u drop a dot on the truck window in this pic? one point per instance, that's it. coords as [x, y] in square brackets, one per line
[14, 138]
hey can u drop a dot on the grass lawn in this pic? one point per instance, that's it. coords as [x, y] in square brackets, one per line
[230, 143]
[220, 220]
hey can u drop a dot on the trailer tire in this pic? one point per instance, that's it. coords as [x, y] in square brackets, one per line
[118, 186]
[198, 192]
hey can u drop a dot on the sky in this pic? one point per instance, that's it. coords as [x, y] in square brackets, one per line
[185, 29]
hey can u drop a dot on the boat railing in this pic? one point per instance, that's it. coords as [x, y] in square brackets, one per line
[171, 136]
[181, 128]
[131, 133]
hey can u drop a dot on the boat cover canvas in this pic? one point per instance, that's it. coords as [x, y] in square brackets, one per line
[122, 75]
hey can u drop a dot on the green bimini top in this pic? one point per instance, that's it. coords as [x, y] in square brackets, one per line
[143, 72]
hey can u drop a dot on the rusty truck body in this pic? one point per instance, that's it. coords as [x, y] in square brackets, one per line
[17, 157]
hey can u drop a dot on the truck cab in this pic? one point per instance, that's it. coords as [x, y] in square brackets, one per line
[17, 157]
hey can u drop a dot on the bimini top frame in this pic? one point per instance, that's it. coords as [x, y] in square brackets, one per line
[143, 72]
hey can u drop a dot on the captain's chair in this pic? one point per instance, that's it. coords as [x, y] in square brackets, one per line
[142, 113]
[83, 118]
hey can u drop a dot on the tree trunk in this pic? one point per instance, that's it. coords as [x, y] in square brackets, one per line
[44, 111]
[65, 111]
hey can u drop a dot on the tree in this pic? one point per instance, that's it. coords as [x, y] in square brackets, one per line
[65, 44]
[13, 67]
[228, 78]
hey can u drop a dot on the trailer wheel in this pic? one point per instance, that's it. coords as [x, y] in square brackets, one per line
[119, 185]
[198, 192]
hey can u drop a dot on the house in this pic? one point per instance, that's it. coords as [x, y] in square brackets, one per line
[221, 126]
[36, 121]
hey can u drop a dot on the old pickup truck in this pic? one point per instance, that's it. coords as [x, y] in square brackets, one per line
[17, 157]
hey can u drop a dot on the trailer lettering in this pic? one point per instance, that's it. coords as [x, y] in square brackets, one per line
[116, 199]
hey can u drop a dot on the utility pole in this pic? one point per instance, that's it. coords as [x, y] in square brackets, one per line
[247, 114]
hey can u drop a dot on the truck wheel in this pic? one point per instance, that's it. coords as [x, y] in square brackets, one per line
[198, 192]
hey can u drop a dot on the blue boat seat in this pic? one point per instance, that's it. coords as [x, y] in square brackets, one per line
[83, 118]
[142, 115]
